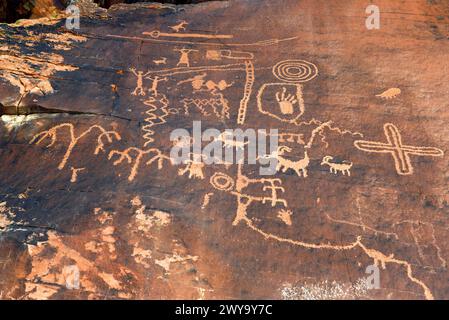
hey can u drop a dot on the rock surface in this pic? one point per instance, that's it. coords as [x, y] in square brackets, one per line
[92, 207]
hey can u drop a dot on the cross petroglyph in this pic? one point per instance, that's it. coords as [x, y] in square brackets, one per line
[401, 153]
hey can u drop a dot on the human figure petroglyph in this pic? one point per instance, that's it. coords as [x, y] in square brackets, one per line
[194, 168]
[52, 133]
[139, 90]
[184, 60]
[155, 83]
[224, 182]
[344, 168]
[400, 152]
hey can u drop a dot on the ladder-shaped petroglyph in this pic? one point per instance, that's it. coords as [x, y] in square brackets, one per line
[52, 134]
[226, 183]
[334, 167]
[249, 82]
[400, 152]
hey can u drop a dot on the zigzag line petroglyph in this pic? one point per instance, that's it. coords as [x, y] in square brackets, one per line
[52, 133]
[153, 118]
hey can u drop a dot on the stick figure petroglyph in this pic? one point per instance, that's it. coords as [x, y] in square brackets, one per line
[184, 60]
[155, 84]
[139, 85]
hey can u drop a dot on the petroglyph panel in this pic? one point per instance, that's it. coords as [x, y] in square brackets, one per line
[93, 206]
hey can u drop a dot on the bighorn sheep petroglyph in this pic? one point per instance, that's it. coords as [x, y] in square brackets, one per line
[285, 164]
[337, 167]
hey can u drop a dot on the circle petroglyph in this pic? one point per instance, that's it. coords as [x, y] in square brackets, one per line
[295, 71]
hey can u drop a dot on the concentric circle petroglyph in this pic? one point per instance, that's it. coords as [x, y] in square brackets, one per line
[295, 71]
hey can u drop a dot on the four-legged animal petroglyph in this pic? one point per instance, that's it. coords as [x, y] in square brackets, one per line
[181, 26]
[299, 166]
[337, 167]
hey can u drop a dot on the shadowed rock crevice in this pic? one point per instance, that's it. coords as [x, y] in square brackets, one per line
[13, 10]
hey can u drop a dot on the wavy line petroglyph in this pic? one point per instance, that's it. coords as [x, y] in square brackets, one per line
[400, 153]
[52, 133]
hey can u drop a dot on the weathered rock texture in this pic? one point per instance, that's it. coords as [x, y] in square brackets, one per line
[87, 188]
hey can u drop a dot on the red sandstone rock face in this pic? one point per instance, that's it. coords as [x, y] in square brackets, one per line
[92, 207]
